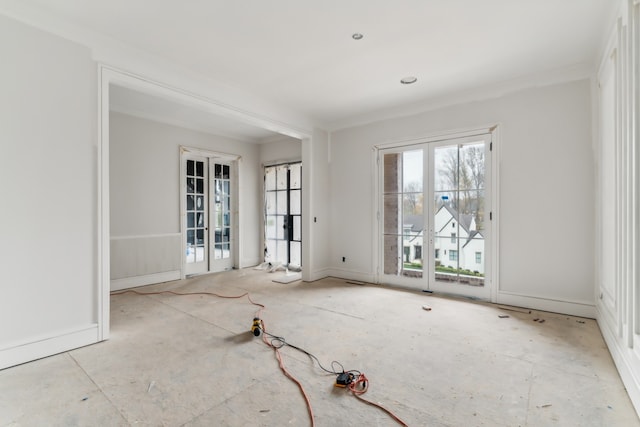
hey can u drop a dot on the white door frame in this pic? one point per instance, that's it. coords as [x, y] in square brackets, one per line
[107, 76]
[492, 267]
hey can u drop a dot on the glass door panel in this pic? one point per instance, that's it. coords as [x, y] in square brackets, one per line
[403, 216]
[459, 172]
[196, 215]
[221, 216]
[283, 214]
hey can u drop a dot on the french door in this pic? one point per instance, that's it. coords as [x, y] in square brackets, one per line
[207, 214]
[434, 224]
[283, 214]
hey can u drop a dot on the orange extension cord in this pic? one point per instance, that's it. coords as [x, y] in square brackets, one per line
[358, 387]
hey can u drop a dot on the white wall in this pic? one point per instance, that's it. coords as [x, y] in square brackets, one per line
[48, 216]
[546, 191]
[281, 151]
[145, 194]
[50, 223]
[617, 203]
[320, 221]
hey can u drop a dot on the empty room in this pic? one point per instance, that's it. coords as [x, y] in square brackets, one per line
[284, 212]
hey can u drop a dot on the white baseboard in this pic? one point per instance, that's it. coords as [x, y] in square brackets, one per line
[624, 358]
[545, 304]
[351, 275]
[43, 347]
[147, 279]
[312, 276]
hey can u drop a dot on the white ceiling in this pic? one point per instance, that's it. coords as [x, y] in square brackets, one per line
[300, 54]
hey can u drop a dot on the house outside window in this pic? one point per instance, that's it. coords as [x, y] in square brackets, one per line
[418, 252]
[437, 254]
[453, 237]
[478, 257]
[453, 255]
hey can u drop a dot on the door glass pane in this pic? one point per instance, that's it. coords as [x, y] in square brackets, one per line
[403, 213]
[297, 228]
[269, 179]
[226, 250]
[281, 177]
[295, 249]
[271, 227]
[459, 180]
[199, 253]
[391, 207]
[282, 252]
[295, 171]
[271, 202]
[280, 228]
[295, 203]
[281, 205]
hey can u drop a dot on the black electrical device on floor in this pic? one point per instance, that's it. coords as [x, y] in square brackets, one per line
[344, 379]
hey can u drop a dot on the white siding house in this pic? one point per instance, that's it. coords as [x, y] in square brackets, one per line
[458, 244]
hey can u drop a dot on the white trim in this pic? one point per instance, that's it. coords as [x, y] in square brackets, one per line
[494, 265]
[439, 136]
[360, 276]
[492, 91]
[308, 274]
[312, 276]
[108, 75]
[280, 162]
[178, 123]
[146, 236]
[573, 308]
[489, 132]
[623, 358]
[104, 243]
[147, 279]
[209, 154]
[38, 348]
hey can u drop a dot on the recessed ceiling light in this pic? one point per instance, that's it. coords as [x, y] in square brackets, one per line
[408, 80]
[357, 36]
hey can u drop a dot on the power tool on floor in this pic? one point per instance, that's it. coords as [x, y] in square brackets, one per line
[255, 328]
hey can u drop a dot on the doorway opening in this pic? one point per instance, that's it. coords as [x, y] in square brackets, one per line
[283, 214]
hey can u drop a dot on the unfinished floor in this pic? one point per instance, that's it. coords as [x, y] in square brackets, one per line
[191, 360]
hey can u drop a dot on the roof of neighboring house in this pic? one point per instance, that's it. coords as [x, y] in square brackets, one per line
[416, 222]
[463, 219]
[472, 236]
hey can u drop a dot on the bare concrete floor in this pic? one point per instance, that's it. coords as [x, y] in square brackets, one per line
[190, 360]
